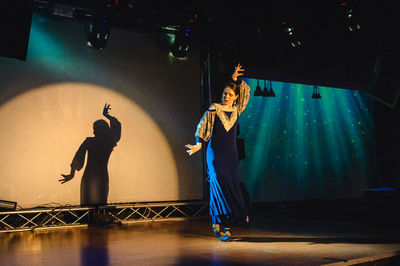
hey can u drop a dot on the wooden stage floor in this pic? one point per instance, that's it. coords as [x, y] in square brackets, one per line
[275, 240]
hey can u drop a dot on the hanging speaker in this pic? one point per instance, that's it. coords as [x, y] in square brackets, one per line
[15, 25]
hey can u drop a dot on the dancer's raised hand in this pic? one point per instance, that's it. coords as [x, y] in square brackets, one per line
[238, 72]
[106, 109]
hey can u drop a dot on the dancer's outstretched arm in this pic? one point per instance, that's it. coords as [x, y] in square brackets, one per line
[77, 163]
[204, 130]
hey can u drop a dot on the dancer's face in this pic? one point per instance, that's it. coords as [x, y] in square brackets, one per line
[228, 96]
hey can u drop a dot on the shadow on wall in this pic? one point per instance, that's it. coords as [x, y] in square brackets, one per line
[134, 64]
[39, 141]
[94, 184]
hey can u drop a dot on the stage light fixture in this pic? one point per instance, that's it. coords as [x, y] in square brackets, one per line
[63, 10]
[352, 23]
[294, 42]
[265, 92]
[271, 92]
[181, 44]
[258, 91]
[97, 33]
[316, 94]
[260, 34]
[132, 3]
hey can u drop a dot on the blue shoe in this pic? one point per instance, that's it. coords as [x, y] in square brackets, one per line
[224, 238]
[226, 231]
[220, 234]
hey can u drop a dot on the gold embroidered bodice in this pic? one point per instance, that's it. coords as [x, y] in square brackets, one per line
[227, 122]
[206, 125]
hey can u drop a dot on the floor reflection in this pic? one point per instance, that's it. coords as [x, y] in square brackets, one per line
[94, 247]
[271, 241]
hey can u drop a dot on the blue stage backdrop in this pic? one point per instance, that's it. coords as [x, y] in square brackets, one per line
[300, 148]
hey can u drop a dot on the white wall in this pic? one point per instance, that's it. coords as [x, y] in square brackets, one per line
[48, 105]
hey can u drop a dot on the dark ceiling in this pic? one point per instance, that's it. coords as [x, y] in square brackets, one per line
[329, 48]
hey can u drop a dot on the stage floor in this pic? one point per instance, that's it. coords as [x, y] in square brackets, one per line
[274, 240]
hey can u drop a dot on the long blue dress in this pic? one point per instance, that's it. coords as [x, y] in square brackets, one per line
[219, 128]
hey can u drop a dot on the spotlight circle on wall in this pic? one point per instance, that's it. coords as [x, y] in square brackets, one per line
[44, 127]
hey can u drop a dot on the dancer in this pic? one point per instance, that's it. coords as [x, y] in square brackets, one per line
[219, 127]
[94, 184]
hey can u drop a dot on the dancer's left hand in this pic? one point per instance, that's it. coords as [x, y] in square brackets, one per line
[238, 72]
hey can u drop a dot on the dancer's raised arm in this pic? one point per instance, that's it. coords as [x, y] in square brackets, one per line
[244, 89]
[115, 125]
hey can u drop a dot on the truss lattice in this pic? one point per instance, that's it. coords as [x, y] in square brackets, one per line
[75, 216]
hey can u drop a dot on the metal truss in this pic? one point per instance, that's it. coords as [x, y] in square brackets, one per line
[76, 216]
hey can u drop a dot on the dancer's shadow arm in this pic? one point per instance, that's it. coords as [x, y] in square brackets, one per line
[77, 162]
[115, 125]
